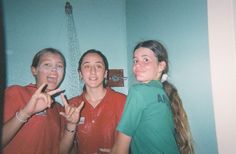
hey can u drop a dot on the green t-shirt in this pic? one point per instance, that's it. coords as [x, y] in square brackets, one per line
[147, 118]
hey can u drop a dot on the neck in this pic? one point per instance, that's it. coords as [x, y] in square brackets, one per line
[94, 96]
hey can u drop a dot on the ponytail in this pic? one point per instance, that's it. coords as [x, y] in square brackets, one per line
[183, 135]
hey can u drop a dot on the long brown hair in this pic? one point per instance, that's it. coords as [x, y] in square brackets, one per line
[183, 135]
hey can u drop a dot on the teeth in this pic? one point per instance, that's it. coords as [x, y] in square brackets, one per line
[93, 78]
[51, 79]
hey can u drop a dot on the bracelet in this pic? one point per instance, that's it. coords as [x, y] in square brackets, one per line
[19, 118]
[71, 131]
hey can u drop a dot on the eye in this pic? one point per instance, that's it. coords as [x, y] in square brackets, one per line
[135, 61]
[99, 66]
[86, 67]
[47, 65]
[145, 59]
[60, 66]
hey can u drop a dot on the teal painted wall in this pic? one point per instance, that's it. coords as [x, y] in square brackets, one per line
[182, 27]
[114, 27]
[33, 25]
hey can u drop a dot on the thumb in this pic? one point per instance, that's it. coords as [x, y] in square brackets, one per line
[62, 114]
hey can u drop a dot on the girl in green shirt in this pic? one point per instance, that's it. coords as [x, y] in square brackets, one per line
[154, 120]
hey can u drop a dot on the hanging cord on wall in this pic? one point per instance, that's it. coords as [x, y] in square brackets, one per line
[68, 8]
[74, 84]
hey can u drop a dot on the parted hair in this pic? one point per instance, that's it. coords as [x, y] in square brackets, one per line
[38, 55]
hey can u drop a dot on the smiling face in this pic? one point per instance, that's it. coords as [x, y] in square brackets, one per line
[50, 70]
[92, 70]
[146, 66]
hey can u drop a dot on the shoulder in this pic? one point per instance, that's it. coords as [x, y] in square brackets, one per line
[141, 91]
[139, 87]
[75, 100]
[16, 96]
[16, 89]
[115, 94]
[146, 87]
[115, 98]
[58, 106]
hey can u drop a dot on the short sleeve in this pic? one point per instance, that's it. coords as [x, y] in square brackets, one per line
[120, 106]
[133, 111]
[11, 104]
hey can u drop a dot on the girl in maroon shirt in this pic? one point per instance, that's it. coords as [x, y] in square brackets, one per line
[31, 120]
[96, 129]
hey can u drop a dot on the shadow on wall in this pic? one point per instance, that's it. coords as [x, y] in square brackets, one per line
[3, 68]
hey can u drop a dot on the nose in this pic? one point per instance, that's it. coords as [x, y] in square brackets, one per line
[54, 68]
[138, 64]
[93, 69]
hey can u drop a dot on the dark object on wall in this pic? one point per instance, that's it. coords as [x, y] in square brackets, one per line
[116, 78]
[68, 8]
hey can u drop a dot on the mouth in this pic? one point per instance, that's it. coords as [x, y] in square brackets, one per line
[139, 72]
[51, 79]
[93, 77]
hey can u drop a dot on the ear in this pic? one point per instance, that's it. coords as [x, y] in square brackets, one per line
[80, 75]
[33, 71]
[162, 66]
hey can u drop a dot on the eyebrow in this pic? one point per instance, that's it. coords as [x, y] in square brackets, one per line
[142, 56]
[98, 62]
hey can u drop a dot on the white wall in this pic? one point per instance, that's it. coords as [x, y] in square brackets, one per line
[221, 24]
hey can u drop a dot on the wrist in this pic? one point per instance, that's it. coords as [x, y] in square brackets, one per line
[71, 125]
[25, 112]
[21, 116]
[70, 129]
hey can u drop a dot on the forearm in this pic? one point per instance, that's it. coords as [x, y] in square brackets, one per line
[12, 126]
[122, 144]
[67, 140]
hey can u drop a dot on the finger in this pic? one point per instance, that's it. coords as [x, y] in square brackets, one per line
[42, 97]
[39, 90]
[63, 114]
[68, 114]
[71, 111]
[49, 100]
[53, 92]
[64, 100]
[80, 106]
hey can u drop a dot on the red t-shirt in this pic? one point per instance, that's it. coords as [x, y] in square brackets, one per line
[97, 126]
[41, 134]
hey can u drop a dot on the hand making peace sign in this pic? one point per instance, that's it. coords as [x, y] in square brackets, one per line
[39, 101]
